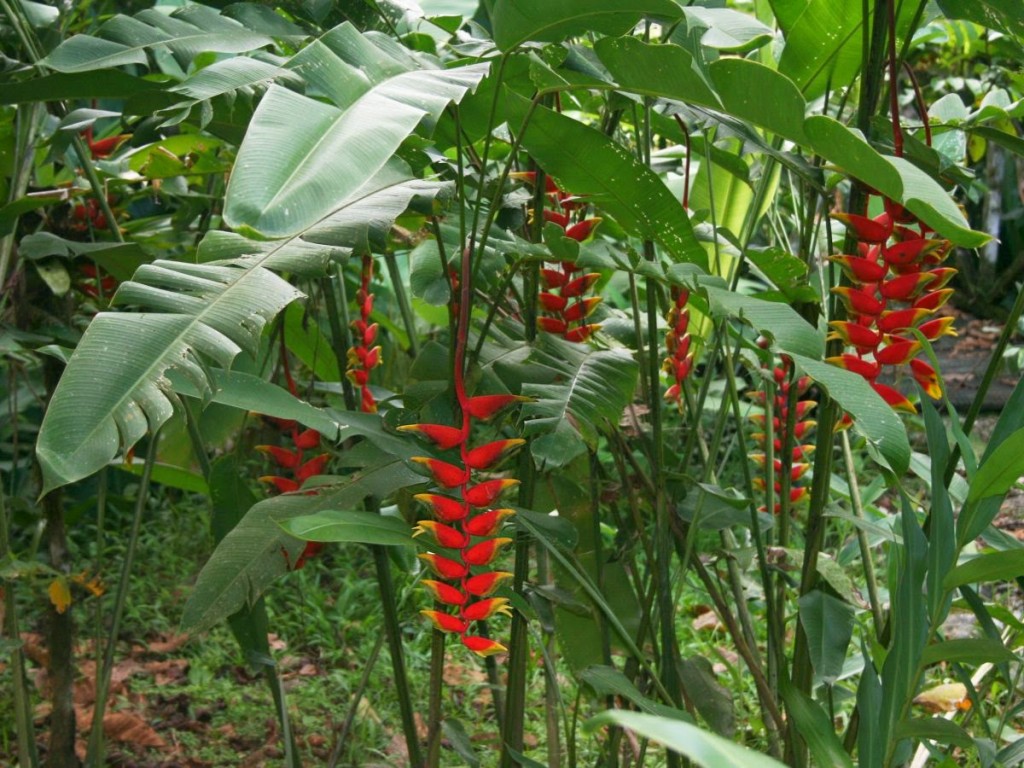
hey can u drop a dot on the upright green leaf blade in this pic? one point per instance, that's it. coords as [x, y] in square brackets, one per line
[350, 526]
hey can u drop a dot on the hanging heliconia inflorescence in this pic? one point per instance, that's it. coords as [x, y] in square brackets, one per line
[678, 343]
[465, 510]
[296, 464]
[563, 301]
[898, 284]
[795, 443]
[363, 356]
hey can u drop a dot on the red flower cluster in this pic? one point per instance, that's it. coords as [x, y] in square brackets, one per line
[93, 282]
[89, 215]
[898, 284]
[802, 425]
[677, 341]
[295, 463]
[465, 523]
[363, 357]
[563, 301]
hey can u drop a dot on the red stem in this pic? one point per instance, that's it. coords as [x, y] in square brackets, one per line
[922, 108]
[894, 104]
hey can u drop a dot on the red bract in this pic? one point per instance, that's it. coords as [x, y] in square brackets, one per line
[896, 288]
[787, 461]
[363, 357]
[679, 362]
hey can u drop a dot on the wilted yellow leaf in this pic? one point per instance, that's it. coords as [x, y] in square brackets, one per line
[93, 585]
[60, 594]
[947, 697]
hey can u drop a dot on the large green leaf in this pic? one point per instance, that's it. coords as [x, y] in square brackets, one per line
[1003, 15]
[767, 98]
[100, 84]
[586, 162]
[872, 417]
[815, 727]
[516, 21]
[251, 556]
[824, 43]
[828, 625]
[360, 222]
[291, 173]
[703, 748]
[114, 387]
[592, 389]
[123, 40]
[350, 526]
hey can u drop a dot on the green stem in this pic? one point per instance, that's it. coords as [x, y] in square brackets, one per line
[389, 603]
[862, 538]
[398, 286]
[22, 696]
[434, 700]
[341, 738]
[94, 756]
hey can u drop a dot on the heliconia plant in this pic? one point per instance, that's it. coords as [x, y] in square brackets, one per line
[634, 455]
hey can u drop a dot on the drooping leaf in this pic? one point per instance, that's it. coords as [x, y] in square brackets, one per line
[114, 388]
[609, 681]
[704, 749]
[593, 388]
[334, 525]
[101, 84]
[516, 21]
[969, 650]
[1002, 15]
[292, 173]
[994, 566]
[252, 555]
[359, 223]
[186, 32]
[728, 30]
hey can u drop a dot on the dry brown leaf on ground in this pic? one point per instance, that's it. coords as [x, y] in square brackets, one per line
[131, 729]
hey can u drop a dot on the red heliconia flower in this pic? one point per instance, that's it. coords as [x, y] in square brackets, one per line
[363, 357]
[445, 535]
[482, 610]
[581, 230]
[484, 552]
[445, 593]
[444, 437]
[307, 439]
[484, 584]
[789, 452]
[444, 507]
[444, 474]
[312, 467]
[445, 567]
[487, 523]
[896, 399]
[281, 456]
[927, 378]
[482, 646]
[897, 352]
[876, 230]
[487, 455]
[484, 407]
[283, 484]
[581, 333]
[897, 269]
[486, 493]
[553, 325]
[678, 341]
[446, 622]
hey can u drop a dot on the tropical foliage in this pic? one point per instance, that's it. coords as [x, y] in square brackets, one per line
[569, 311]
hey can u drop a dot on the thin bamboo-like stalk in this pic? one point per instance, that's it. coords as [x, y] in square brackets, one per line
[95, 753]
